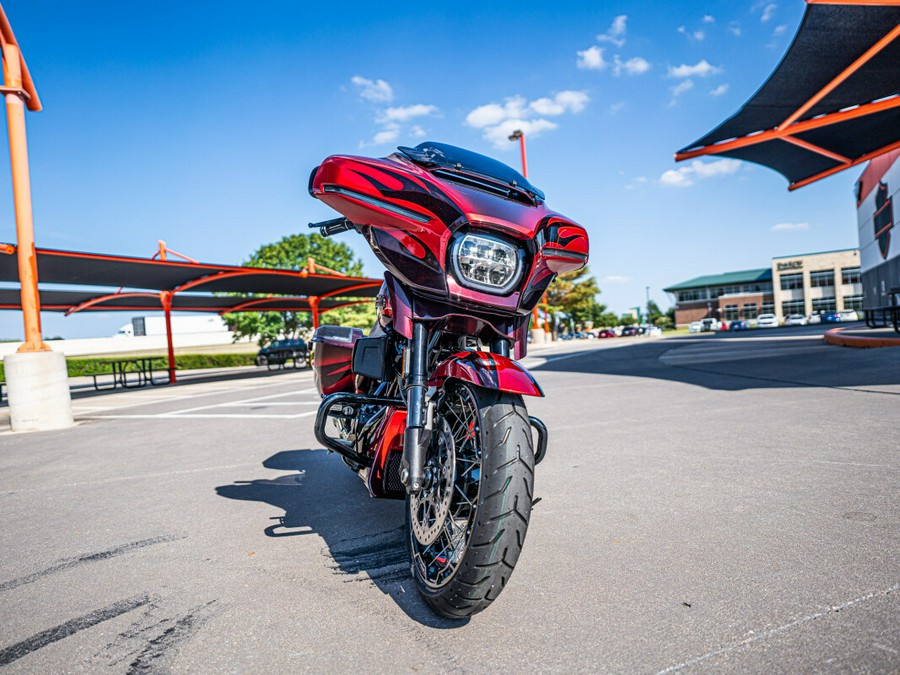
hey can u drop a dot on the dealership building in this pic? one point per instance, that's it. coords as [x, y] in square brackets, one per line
[827, 281]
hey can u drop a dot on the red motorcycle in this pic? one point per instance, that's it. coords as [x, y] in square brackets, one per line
[428, 408]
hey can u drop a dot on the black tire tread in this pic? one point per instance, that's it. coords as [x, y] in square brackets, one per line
[504, 509]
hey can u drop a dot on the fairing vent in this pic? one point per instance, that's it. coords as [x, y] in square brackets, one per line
[486, 186]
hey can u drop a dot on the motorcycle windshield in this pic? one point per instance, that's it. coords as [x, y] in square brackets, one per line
[442, 155]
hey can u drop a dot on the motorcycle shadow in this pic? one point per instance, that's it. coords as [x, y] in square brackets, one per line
[365, 538]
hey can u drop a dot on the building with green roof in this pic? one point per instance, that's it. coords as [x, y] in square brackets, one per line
[808, 284]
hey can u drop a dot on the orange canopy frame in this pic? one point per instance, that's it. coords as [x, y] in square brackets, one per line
[170, 285]
[832, 103]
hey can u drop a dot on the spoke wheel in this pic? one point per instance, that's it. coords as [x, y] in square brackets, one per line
[467, 527]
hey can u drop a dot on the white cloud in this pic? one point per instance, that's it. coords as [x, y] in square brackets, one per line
[686, 176]
[633, 66]
[616, 107]
[616, 279]
[700, 69]
[682, 87]
[718, 91]
[768, 12]
[735, 28]
[789, 227]
[564, 101]
[385, 136]
[498, 120]
[391, 120]
[591, 59]
[697, 35]
[709, 18]
[378, 91]
[499, 135]
[778, 30]
[406, 113]
[616, 32]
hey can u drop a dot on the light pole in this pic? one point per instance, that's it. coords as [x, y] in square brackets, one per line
[647, 289]
[517, 135]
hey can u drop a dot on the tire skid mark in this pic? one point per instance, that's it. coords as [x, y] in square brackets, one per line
[51, 635]
[382, 556]
[70, 563]
[167, 642]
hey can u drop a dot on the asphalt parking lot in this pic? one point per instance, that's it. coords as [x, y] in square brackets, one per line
[709, 503]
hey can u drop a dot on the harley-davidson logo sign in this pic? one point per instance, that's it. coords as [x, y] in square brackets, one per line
[884, 219]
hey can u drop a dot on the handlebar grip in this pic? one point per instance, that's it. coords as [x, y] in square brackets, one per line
[329, 227]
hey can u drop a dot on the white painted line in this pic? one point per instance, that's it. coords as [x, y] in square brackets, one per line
[242, 404]
[177, 416]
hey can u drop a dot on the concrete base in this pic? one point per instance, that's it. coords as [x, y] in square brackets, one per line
[537, 336]
[38, 391]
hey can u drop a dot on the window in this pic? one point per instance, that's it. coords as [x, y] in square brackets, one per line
[750, 310]
[789, 281]
[731, 312]
[850, 275]
[824, 305]
[793, 307]
[853, 302]
[821, 279]
[692, 295]
[768, 308]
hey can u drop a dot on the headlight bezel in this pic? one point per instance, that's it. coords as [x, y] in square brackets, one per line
[518, 256]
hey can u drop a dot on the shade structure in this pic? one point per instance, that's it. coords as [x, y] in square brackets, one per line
[178, 286]
[79, 301]
[833, 101]
[94, 269]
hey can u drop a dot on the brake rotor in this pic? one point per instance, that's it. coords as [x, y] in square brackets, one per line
[429, 507]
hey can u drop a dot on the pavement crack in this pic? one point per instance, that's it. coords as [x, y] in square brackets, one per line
[778, 630]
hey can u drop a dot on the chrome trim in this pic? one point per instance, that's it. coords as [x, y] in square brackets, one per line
[380, 203]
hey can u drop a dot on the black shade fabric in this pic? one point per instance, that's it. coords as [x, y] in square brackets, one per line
[831, 38]
[90, 269]
[63, 301]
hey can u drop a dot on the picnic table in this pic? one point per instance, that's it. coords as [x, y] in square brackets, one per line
[129, 373]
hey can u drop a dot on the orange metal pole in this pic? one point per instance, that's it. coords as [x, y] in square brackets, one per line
[314, 304]
[18, 155]
[524, 162]
[166, 297]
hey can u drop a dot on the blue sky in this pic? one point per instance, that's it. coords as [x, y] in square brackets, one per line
[198, 123]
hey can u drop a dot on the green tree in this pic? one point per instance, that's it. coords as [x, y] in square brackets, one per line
[653, 312]
[574, 294]
[293, 253]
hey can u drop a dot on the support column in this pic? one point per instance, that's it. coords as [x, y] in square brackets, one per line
[37, 378]
[166, 297]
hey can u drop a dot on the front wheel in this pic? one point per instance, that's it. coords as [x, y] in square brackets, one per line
[467, 527]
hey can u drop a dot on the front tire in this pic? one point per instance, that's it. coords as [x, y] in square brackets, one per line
[460, 570]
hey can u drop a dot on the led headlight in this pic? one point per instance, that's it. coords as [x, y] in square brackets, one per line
[486, 263]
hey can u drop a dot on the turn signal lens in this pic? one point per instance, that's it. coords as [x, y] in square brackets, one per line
[486, 263]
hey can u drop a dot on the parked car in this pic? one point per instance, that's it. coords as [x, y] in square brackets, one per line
[815, 317]
[279, 352]
[767, 321]
[628, 331]
[606, 333]
[653, 331]
[795, 320]
[831, 317]
[710, 324]
[739, 324]
[849, 315]
[695, 327]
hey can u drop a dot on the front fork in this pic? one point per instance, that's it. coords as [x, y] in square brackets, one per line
[418, 428]
[420, 411]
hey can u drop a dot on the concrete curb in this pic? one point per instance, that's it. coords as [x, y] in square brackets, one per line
[833, 337]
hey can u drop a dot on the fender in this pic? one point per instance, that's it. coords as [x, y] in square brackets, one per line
[488, 370]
